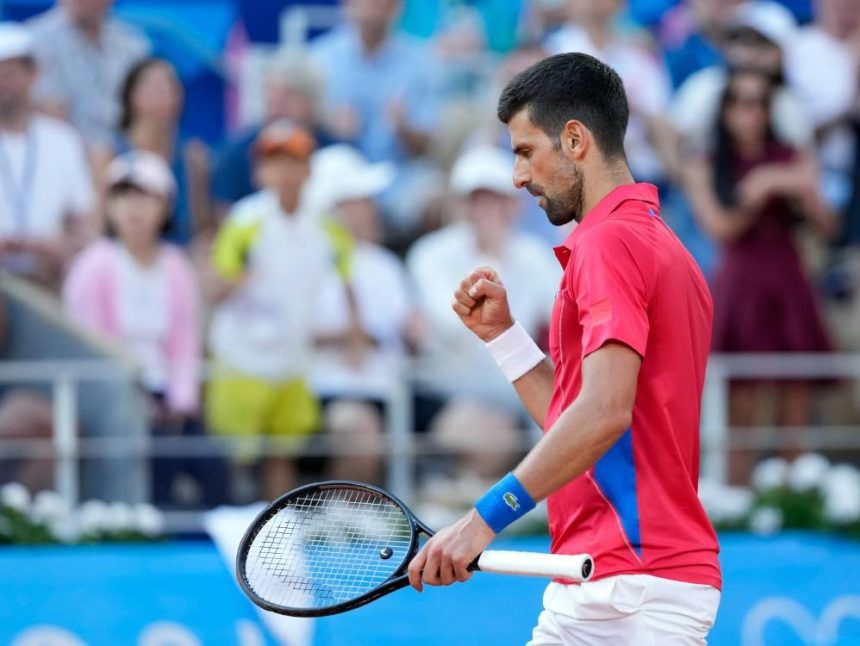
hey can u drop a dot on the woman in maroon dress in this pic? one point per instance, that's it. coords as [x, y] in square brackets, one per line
[749, 195]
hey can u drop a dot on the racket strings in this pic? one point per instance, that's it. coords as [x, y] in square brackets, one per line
[326, 547]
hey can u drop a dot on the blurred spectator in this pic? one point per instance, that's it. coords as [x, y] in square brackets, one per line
[46, 194]
[749, 195]
[141, 292]
[756, 36]
[382, 95]
[151, 104]
[25, 415]
[293, 90]
[359, 377]
[274, 262]
[591, 29]
[690, 34]
[480, 407]
[84, 55]
[822, 67]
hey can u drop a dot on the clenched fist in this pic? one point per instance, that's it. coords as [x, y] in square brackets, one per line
[481, 302]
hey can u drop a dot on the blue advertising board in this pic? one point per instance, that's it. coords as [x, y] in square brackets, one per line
[789, 590]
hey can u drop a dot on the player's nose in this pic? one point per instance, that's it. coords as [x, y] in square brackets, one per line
[522, 177]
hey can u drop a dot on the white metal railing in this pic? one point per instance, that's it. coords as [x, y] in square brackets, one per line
[722, 368]
[401, 447]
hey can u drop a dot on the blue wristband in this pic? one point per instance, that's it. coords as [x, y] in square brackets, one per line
[505, 502]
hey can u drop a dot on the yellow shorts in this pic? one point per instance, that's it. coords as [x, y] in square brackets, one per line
[241, 405]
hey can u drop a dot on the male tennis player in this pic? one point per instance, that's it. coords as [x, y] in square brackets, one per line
[620, 402]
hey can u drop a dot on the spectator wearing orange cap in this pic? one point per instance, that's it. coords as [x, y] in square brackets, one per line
[273, 262]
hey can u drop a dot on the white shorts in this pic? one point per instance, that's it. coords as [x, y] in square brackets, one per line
[636, 609]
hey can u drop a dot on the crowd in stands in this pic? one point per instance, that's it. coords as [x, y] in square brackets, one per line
[310, 258]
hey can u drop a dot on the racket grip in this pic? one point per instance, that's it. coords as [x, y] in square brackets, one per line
[573, 567]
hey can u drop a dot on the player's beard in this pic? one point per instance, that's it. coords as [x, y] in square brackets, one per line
[561, 209]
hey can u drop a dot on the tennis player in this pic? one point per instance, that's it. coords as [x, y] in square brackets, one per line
[620, 401]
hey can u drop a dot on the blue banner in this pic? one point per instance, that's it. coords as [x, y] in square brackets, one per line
[790, 590]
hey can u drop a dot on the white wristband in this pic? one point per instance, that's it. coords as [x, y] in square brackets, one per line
[515, 352]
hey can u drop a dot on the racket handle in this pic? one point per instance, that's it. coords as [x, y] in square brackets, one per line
[573, 567]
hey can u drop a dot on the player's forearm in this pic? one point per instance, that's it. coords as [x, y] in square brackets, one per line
[535, 390]
[580, 437]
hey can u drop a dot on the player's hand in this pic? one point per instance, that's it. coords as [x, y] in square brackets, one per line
[445, 558]
[481, 302]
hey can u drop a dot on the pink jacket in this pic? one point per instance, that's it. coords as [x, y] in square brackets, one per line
[90, 295]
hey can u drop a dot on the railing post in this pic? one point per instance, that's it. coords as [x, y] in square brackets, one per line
[399, 432]
[66, 458]
[715, 422]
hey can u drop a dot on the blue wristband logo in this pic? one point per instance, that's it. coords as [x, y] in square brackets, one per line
[511, 500]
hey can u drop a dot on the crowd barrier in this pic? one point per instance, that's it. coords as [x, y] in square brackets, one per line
[401, 448]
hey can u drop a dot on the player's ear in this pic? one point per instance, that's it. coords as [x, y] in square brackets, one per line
[574, 139]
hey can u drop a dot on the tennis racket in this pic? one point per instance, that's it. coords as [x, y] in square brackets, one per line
[333, 546]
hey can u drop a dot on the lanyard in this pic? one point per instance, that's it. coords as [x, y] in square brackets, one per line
[19, 193]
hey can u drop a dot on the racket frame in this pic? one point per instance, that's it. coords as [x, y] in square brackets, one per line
[398, 579]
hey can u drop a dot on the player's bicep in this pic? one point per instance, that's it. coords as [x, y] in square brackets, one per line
[609, 378]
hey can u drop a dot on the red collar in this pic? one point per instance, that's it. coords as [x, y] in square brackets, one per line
[640, 192]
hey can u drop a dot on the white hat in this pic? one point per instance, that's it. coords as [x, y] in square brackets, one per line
[145, 170]
[486, 168]
[340, 173]
[771, 20]
[15, 41]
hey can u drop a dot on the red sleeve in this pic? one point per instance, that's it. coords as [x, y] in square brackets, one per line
[610, 290]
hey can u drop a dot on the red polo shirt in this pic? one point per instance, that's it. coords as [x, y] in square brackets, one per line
[627, 278]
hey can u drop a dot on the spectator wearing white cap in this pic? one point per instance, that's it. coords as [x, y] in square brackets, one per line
[46, 192]
[479, 408]
[84, 55]
[360, 375]
[142, 293]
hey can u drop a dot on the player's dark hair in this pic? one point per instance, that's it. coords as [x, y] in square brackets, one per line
[571, 86]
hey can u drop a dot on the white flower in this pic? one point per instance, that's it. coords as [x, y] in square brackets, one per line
[93, 517]
[724, 503]
[807, 472]
[841, 489]
[147, 520]
[766, 520]
[49, 506]
[119, 517]
[770, 474]
[15, 496]
[65, 530]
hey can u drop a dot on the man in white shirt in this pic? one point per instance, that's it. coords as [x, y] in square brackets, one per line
[85, 55]
[46, 191]
[481, 408]
[369, 367]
